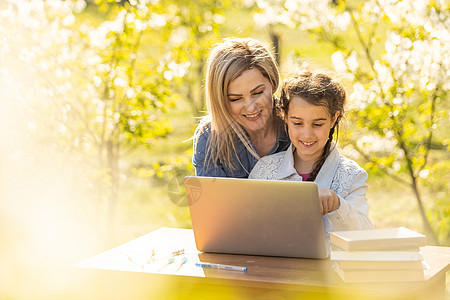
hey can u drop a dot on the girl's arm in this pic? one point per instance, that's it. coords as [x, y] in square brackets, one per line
[353, 211]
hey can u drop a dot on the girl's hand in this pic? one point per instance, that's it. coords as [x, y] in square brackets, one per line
[329, 201]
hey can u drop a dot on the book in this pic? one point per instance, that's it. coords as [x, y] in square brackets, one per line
[378, 256]
[399, 238]
[381, 265]
[386, 275]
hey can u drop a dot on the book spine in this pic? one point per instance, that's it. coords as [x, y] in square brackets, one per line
[380, 275]
[379, 245]
[376, 255]
[381, 265]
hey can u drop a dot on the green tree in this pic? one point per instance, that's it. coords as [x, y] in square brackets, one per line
[95, 85]
[198, 29]
[98, 90]
[397, 53]
[132, 85]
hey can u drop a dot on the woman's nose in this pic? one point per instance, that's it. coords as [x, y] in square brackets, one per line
[250, 104]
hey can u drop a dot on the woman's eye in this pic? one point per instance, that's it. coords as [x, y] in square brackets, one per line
[258, 93]
[318, 125]
[235, 99]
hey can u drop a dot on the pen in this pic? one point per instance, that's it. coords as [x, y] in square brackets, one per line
[182, 263]
[178, 252]
[219, 266]
[171, 261]
[151, 257]
[135, 262]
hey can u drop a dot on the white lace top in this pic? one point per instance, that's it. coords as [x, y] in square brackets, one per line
[338, 173]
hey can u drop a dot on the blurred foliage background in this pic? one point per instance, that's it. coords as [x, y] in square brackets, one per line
[99, 100]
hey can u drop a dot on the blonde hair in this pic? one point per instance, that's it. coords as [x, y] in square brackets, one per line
[227, 61]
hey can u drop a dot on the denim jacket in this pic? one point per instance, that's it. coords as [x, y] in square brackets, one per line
[338, 173]
[243, 160]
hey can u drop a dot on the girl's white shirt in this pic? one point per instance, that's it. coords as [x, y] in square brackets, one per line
[338, 173]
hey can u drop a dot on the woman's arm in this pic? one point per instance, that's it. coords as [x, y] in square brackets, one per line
[199, 159]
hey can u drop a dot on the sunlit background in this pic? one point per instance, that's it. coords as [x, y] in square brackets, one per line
[98, 101]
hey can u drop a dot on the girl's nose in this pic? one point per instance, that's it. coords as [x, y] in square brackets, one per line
[306, 132]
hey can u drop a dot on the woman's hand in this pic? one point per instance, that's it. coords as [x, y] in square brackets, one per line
[329, 201]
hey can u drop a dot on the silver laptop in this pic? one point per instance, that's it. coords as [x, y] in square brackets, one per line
[256, 217]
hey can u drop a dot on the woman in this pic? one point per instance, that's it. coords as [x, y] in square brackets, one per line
[242, 124]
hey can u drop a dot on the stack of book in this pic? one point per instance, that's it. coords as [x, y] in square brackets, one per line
[378, 255]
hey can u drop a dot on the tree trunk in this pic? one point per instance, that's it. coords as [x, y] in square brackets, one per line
[113, 168]
[432, 238]
[202, 99]
[276, 44]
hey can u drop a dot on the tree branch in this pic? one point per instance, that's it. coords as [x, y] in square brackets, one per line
[384, 170]
[430, 130]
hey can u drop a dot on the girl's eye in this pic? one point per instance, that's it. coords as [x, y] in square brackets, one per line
[235, 99]
[318, 125]
[258, 93]
[297, 124]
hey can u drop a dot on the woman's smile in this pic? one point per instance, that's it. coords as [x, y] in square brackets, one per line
[253, 117]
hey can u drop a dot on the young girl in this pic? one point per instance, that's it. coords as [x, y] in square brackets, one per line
[312, 106]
